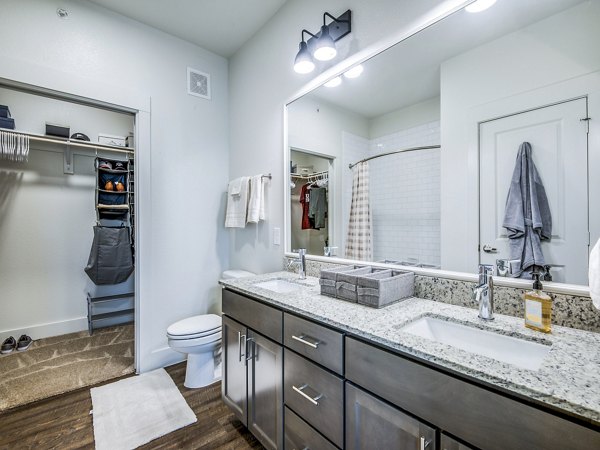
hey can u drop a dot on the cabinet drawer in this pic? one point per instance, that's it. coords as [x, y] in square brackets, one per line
[316, 342]
[258, 316]
[301, 436]
[315, 395]
[477, 415]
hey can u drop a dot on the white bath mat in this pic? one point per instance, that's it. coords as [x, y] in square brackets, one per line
[133, 411]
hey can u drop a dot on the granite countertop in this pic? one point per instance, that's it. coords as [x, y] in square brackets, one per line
[569, 379]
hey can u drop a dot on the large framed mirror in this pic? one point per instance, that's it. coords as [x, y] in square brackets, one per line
[471, 142]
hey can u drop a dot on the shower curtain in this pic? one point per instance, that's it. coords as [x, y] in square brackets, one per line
[358, 242]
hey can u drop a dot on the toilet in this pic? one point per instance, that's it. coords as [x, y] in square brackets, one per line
[199, 337]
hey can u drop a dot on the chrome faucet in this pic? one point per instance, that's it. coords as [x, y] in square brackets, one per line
[300, 262]
[484, 292]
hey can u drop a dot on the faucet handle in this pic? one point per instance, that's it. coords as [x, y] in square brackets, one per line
[486, 269]
[300, 251]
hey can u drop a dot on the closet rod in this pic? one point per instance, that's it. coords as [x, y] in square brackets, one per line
[82, 144]
[405, 150]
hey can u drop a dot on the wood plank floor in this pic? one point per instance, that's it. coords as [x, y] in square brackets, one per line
[64, 422]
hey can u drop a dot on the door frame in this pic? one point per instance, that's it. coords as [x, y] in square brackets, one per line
[586, 86]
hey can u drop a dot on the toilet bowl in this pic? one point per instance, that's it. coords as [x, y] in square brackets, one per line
[199, 337]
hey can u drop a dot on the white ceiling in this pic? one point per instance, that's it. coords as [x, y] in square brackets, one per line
[220, 26]
[409, 72]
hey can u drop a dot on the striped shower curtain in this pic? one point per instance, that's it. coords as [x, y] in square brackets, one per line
[358, 242]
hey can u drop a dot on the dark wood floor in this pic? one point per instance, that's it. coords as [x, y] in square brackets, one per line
[64, 422]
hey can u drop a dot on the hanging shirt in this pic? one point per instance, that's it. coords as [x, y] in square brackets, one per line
[307, 222]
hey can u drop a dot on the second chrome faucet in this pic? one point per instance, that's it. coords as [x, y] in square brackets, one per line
[484, 292]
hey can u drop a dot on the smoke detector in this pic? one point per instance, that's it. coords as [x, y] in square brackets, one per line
[198, 83]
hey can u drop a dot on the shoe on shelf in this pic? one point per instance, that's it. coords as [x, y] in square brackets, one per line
[24, 343]
[8, 345]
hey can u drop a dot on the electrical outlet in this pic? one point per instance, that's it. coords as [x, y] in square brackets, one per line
[276, 236]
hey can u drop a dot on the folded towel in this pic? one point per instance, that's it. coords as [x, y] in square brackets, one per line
[527, 216]
[237, 204]
[261, 213]
[235, 186]
[594, 274]
[256, 200]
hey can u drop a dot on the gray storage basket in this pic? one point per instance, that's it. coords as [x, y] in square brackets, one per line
[385, 287]
[346, 283]
[328, 279]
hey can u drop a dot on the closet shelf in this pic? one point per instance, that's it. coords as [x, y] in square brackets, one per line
[70, 142]
[102, 206]
[112, 192]
[112, 171]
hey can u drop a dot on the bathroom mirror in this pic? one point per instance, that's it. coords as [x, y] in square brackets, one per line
[466, 93]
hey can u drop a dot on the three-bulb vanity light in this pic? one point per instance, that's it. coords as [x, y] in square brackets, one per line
[321, 46]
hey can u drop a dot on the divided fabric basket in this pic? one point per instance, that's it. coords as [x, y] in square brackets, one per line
[367, 285]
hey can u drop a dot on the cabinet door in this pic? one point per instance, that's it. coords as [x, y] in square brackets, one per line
[233, 385]
[447, 443]
[265, 399]
[371, 423]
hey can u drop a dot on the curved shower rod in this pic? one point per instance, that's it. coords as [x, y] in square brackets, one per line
[405, 150]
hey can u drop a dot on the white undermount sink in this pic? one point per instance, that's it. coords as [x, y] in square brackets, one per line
[279, 286]
[512, 350]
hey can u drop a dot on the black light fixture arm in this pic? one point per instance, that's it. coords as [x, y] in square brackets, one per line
[307, 32]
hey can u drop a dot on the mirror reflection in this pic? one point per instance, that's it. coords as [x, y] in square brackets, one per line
[478, 151]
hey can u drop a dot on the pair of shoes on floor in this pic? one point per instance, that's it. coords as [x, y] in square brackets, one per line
[21, 345]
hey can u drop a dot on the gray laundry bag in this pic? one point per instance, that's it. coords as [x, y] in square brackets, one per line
[111, 260]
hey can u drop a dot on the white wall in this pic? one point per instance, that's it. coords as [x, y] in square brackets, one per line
[317, 126]
[46, 220]
[99, 54]
[404, 118]
[262, 80]
[512, 70]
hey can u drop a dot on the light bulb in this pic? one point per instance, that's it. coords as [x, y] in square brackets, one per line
[333, 82]
[354, 72]
[480, 5]
[325, 47]
[303, 62]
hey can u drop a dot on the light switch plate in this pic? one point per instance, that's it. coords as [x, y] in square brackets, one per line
[276, 236]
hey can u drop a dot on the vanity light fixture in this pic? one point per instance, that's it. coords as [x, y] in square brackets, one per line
[354, 72]
[479, 5]
[321, 46]
[334, 82]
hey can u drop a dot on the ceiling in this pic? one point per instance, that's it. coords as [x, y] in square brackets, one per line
[220, 26]
[409, 72]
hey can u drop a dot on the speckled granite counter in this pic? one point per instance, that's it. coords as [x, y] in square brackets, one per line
[568, 381]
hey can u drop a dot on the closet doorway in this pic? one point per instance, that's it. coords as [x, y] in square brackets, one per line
[52, 203]
[310, 201]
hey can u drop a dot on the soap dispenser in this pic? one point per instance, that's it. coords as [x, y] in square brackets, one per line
[538, 307]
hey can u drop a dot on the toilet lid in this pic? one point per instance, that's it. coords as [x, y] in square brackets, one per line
[196, 325]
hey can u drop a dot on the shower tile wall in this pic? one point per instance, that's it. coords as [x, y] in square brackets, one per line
[405, 193]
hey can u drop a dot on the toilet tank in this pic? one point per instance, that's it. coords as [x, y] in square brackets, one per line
[235, 273]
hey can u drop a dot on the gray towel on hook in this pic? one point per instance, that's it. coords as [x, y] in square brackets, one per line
[527, 216]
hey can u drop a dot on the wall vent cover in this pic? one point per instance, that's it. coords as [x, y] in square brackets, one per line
[198, 83]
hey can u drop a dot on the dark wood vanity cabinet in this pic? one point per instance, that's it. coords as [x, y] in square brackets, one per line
[252, 370]
[338, 391]
[374, 424]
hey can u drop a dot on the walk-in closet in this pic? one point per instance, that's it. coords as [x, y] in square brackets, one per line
[67, 244]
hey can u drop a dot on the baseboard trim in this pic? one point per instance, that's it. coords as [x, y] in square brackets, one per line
[161, 357]
[48, 329]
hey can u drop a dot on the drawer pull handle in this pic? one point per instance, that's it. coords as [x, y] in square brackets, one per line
[424, 443]
[302, 339]
[313, 400]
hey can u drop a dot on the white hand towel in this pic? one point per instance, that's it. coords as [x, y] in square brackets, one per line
[262, 215]
[237, 204]
[235, 186]
[594, 274]
[255, 199]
